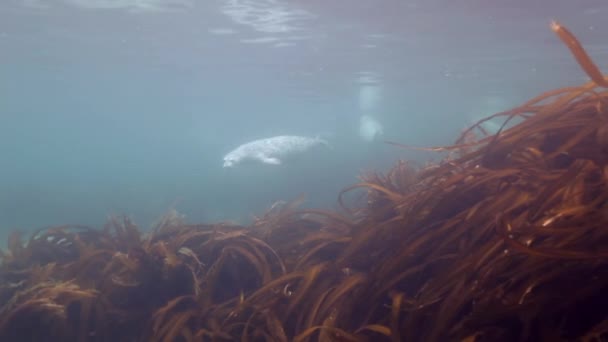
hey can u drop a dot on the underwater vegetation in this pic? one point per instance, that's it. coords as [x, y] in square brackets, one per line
[506, 239]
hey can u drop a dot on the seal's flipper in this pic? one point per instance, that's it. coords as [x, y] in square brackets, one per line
[271, 160]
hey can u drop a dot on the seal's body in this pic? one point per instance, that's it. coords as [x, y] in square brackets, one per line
[271, 150]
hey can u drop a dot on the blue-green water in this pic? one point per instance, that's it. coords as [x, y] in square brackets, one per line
[128, 106]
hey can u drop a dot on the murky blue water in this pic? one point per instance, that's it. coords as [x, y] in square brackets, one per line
[128, 106]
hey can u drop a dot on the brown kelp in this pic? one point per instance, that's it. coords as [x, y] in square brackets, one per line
[504, 240]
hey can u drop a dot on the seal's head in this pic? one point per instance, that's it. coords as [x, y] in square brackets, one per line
[230, 161]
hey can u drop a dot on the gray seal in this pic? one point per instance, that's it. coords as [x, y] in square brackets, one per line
[271, 150]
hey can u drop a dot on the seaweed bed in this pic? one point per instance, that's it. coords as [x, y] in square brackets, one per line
[503, 240]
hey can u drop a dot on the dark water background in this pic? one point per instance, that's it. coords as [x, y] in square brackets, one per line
[124, 106]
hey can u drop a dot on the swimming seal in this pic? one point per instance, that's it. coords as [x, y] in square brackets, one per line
[271, 150]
